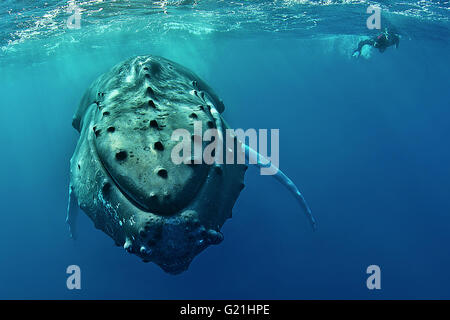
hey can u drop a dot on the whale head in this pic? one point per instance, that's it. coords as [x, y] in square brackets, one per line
[122, 172]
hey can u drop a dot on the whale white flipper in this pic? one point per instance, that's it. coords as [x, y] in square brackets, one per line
[259, 160]
[72, 213]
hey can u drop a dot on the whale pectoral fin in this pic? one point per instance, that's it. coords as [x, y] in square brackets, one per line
[288, 183]
[262, 162]
[72, 213]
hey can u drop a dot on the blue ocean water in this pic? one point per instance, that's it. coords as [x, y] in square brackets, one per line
[367, 141]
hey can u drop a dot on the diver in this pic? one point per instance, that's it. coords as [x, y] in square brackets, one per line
[381, 42]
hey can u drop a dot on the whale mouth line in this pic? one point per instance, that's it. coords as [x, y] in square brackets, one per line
[128, 196]
[133, 201]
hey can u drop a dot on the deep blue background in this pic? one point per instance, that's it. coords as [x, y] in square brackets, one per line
[366, 140]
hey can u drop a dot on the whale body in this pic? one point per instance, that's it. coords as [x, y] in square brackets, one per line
[122, 174]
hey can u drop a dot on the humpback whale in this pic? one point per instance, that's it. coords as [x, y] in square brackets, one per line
[121, 173]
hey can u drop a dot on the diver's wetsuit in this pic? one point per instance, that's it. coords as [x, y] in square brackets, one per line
[381, 42]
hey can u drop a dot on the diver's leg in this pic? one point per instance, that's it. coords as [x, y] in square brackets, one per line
[361, 44]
